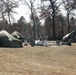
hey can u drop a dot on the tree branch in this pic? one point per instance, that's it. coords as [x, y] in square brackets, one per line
[27, 4]
[33, 2]
[58, 6]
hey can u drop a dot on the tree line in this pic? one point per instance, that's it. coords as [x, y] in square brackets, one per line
[56, 25]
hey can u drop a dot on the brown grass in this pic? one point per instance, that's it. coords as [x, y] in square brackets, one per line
[38, 60]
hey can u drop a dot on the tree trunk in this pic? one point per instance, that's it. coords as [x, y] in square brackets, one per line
[33, 22]
[68, 23]
[3, 21]
[62, 29]
[34, 28]
[9, 21]
[53, 19]
[53, 25]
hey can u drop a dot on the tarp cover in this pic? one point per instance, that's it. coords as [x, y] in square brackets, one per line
[7, 40]
[17, 35]
[70, 36]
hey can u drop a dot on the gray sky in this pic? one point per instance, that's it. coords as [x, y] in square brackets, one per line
[23, 10]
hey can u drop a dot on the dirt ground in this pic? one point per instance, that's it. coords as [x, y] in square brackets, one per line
[38, 60]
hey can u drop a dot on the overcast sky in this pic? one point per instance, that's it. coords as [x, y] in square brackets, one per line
[23, 10]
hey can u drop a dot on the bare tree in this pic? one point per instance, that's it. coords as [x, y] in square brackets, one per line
[54, 8]
[69, 6]
[7, 8]
[2, 9]
[30, 4]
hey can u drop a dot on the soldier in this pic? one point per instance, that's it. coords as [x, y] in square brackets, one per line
[58, 43]
[25, 40]
[45, 40]
[32, 41]
[69, 42]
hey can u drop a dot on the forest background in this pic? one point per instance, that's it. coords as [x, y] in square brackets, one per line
[55, 18]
